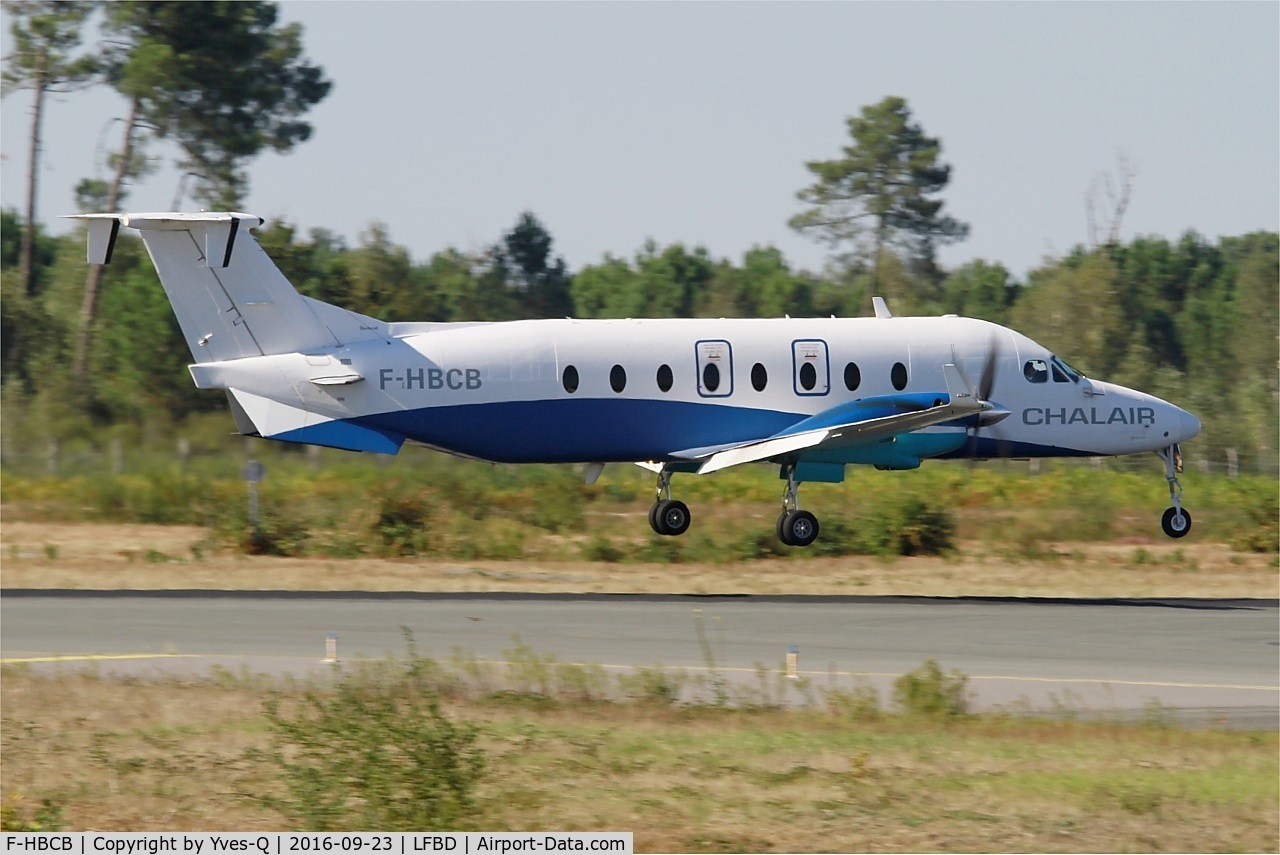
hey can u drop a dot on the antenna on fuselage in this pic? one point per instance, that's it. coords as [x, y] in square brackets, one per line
[881, 307]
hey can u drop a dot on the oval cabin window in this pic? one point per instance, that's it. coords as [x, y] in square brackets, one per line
[711, 377]
[898, 376]
[808, 376]
[759, 377]
[570, 379]
[618, 378]
[852, 377]
[665, 378]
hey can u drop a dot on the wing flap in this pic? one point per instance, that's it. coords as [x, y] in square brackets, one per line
[763, 450]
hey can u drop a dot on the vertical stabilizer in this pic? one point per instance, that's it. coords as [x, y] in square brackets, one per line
[230, 298]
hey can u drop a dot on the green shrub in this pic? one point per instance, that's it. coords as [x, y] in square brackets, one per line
[167, 498]
[653, 685]
[660, 550]
[277, 533]
[556, 501]
[915, 526]
[48, 816]
[752, 544]
[929, 693]
[601, 548]
[861, 703]
[926, 528]
[841, 536]
[902, 525]
[375, 752]
[1260, 531]
[403, 523]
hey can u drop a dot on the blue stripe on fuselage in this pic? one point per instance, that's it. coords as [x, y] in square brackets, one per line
[597, 430]
[580, 429]
[986, 448]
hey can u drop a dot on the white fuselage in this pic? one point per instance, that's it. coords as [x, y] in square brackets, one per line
[593, 390]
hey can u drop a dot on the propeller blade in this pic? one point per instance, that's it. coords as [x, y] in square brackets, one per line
[986, 385]
[986, 388]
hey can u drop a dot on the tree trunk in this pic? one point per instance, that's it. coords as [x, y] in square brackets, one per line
[28, 262]
[93, 282]
[881, 229]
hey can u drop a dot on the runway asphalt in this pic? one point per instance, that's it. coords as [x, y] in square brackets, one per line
[1208, 660]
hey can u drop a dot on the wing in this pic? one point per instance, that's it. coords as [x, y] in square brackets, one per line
[850, 424]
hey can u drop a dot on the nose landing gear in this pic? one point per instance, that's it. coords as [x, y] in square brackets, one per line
[1176, 521]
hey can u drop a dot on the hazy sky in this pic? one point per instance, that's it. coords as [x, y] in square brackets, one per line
[691, 122]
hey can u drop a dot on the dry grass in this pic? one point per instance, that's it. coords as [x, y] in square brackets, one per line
[171, 755]
[111, 556]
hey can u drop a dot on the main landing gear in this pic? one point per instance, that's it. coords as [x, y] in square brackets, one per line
[1176, 521]
[668, 516]
[795, 527]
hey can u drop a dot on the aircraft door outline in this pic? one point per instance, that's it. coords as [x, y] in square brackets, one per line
[715, 368]
[810, 367]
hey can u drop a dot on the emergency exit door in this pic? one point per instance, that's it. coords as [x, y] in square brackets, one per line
[810, 368]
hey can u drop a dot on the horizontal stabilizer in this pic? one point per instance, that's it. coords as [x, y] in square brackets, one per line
[102, 239]
[220, 231]
[231, 300]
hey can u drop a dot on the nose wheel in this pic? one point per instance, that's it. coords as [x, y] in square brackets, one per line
[1176, 521]
[668, 516]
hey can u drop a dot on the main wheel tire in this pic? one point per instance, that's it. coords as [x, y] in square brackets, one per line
[673, 517]
[782, 528]
[802, 528]
[653, 518]
[1176, 522]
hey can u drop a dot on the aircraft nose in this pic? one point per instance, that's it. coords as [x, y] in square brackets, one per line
[1189, 425]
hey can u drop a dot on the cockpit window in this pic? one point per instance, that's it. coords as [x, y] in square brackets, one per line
[1063, 373]
[1036, 370]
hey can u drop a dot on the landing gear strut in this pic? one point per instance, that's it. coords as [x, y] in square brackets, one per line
[668, 516]
[795, 527]
[1176, 521]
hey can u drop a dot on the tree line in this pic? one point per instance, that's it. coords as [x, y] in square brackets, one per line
[1190, 320]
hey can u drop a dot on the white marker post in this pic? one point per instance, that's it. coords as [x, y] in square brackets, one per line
[793, 662]
[331, 649]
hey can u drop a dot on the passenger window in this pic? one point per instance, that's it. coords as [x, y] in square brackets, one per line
[898, 376]
[852, 377]
[618, 378]
[570, 379]
[711, 377]
[1036, 370]
[665, 378]
[759, 377]
[808, 376]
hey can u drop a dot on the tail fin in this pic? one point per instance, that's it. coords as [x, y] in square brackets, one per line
[230, 298]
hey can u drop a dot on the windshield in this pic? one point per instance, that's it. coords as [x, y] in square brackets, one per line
[1066, 369]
